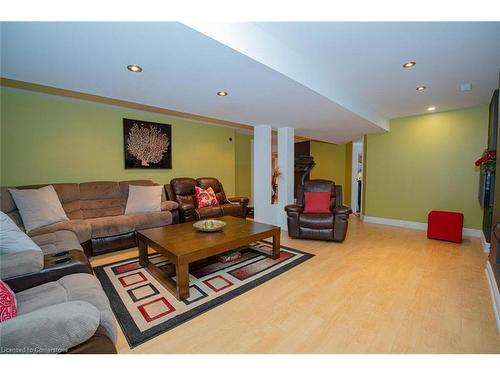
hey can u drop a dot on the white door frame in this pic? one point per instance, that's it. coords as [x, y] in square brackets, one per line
[357, 148]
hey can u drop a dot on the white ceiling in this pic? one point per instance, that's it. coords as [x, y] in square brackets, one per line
[366, 59]
[330, 81]
[359, 64]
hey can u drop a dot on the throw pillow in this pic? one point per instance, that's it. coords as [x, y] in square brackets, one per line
[19, 255]
[317, 202]
[8, 307]
[143, 199]
[205, 197]
[38, 207]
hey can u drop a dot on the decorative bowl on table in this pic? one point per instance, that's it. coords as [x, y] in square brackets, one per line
[209, 225]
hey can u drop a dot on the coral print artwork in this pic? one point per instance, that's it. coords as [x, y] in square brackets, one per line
[147, 144]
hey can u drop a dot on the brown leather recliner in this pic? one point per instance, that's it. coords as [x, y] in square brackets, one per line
[182, 191]
[331, 226]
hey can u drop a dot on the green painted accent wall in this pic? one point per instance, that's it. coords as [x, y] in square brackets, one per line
[346, 188]
[426, 163]
[330, 162]
[49, 139]
[243, 164]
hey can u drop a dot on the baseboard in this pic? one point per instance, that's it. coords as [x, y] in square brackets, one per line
[495, 294]
[485, 244]
[469, 232]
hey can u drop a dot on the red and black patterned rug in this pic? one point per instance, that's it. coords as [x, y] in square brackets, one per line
[145, 309]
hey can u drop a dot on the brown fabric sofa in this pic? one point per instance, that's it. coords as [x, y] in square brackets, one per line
[331, 226]
[182, 191]
[96, 213]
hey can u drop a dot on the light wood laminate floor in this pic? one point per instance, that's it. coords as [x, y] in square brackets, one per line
[384, 290]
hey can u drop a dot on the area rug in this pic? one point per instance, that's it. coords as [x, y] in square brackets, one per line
[145, 309]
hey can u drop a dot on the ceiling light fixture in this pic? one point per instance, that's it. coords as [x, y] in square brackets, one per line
[222, 93]
[431, 108]
[134, 68]
[421, 88]
[409, 64]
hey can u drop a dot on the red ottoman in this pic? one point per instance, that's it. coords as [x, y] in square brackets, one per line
[445, 225]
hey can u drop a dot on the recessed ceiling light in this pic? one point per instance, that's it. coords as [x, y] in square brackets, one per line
[222, 93]
[421, 88]
[134, 68]
[465, 87]
[431, 108]
[409, 64]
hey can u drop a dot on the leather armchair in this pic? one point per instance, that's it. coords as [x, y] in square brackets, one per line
[329, 227]
[182, 191]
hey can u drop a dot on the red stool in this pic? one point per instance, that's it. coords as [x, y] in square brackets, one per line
[445, 225]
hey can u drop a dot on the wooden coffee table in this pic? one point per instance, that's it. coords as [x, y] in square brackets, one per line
[182, 244]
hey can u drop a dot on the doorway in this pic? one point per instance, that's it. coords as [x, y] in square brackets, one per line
[357, 176]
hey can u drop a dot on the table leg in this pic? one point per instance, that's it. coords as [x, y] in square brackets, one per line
[276, 246]
[143, 253]
[182, 274]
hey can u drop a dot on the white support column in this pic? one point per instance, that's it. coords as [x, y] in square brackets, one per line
[286, 138]
[263, 210]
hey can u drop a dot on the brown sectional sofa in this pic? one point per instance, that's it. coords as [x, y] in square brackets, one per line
[57, 295]
[182, 191]
[96, 213]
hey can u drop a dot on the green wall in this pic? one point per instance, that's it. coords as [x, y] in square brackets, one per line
[346, 188]
[426, 163]
[48, 139]
[243, 164]
[330, 162]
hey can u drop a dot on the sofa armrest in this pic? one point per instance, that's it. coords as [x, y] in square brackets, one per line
[186, 207]
[238, 200]
[20, 263]
[169, 205]
[54, 267]
[187, 212]
[52, 329]
[342, 210]
[294, 208]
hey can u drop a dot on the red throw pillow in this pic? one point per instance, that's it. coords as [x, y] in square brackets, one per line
[205, 198]
[8, 309]
[317, 202]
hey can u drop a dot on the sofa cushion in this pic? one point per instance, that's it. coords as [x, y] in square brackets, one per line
[38, 207]
[52, 329]
[151, 219]
[19, 255]
[81, 228]
[62, 240]
[8, 308]
[69, 195]
[142, 199]
[40, 296]
[183, 189]
[316, 221]
[86, 287]
[101, 198]
[209, 212]
[75, 287]
[111, 226]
